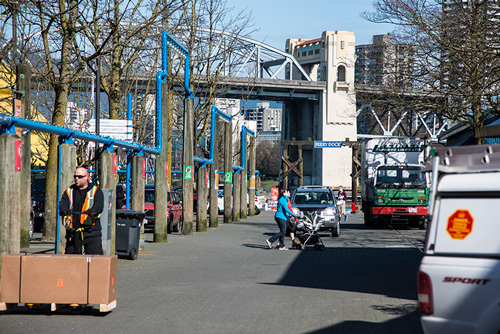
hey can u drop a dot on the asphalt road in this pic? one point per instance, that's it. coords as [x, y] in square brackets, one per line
[226, 280]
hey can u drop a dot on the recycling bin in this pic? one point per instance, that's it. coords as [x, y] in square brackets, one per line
[128, 230]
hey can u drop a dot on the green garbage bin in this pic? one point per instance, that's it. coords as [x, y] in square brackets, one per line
[128, 232]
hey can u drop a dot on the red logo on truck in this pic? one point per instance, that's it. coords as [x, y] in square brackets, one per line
[460, 224]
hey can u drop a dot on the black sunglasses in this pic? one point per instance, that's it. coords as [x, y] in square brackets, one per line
[79, 176]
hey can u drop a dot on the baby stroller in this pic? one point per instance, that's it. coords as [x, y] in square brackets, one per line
[307, 232]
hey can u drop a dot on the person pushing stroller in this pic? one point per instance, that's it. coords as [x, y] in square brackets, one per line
[282, 213]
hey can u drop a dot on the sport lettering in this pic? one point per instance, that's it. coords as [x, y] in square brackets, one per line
[467, 280]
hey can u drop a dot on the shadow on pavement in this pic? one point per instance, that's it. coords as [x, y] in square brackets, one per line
[384, 271]
[408, 324]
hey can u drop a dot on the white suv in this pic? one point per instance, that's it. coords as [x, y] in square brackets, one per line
[459, 276]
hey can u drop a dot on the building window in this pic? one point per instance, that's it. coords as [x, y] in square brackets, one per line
[342, 44]
[310, 52]
[341, 73]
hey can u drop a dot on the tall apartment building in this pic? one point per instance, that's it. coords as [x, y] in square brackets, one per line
[268, 119]
[383, 62]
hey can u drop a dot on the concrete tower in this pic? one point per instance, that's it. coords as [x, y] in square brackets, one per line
[330, 58]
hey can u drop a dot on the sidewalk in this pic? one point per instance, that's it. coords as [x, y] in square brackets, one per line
[227, 281]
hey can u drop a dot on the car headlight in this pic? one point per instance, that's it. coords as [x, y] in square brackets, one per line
[380, 201]
[328, 212]
[421, 201]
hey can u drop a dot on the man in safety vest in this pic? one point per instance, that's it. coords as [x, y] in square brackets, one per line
[81, 205]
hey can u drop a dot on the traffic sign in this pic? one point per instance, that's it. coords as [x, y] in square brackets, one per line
[228, 177]
[188, 172]
[460, 224]
[327, 144]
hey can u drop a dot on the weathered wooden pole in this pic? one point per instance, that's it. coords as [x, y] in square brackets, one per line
[243, 189]
[162, 175]
[188, 168]
[285, 167]
[23, 78]
[301, 167]
[67, 169]
[214, 180]
[228, 173]
[201, 208]
[138, 183]
[251, 177]
[108, 177]
[236, 196]
[10, 188]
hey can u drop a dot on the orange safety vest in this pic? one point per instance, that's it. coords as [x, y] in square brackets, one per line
[85, 220]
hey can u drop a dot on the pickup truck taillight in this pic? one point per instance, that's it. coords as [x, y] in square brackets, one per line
[425, 293]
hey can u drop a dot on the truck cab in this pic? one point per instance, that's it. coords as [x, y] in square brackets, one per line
[459, 275]
[394, 190]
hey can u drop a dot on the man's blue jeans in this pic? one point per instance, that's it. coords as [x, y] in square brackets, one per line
[281, 234]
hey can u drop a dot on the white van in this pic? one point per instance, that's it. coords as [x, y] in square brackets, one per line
[459, 276]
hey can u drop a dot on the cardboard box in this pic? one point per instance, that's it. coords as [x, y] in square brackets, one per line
[10, 278]
[60, 279]
[102, 279]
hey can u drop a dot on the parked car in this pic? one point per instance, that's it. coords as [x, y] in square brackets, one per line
[321, 201]
[37, 202]
[174, 209]
[257, 202]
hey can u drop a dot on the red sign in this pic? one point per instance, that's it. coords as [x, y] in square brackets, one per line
[114, 165]
[17, 148]
[143, 168]
[207, 179]
[274, 194]
[239, 178]
[166, 170]
[18, 114]
[460, 224]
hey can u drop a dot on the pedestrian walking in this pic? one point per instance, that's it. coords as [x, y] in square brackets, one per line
[282, 213]
[81, 205]
[341, 198]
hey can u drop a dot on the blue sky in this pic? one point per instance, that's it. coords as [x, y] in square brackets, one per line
[278, 20]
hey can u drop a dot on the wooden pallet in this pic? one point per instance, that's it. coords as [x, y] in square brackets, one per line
[55, 307]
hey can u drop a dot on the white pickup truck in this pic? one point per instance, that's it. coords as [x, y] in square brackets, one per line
[459, 276]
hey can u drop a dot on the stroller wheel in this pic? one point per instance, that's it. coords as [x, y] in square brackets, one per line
[303, 247]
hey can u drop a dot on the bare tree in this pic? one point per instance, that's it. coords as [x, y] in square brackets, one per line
[456, 49]
[54, 33]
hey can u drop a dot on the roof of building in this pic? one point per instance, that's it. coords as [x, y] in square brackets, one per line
[310, 41]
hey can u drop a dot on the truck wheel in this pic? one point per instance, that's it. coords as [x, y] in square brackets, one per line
[366, 213]
[422, 224]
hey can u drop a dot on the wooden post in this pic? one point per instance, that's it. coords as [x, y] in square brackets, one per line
[236, 196]
[251, 177]
[228, 175]
[23, 78]
[243, 185]
[201, 208]
[162, 175]
[214, 181]
[285, 167]
[138, 183]
[301, 167]
[188, 168]
[68, 167]
[109, 180]
[10, 188]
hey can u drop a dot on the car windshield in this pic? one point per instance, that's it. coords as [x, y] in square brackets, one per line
[313, 197]
[149, 196]
[400, 176]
